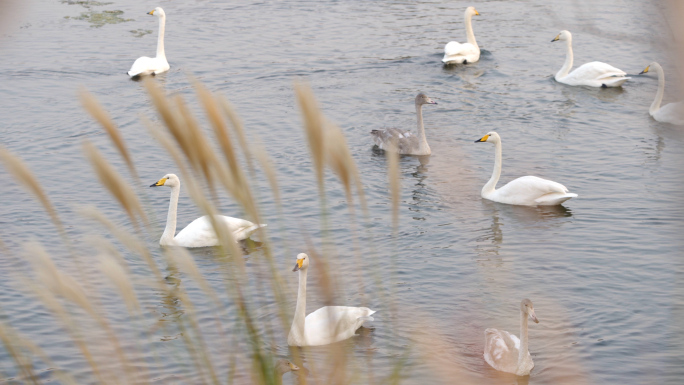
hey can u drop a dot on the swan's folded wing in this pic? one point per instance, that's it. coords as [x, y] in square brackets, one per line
[672, 113]
[596, 70]
[383, 138]
[334, 323]
[454, 48]
[501, 349]
[534, 185]
[199, 233]
[142, 66]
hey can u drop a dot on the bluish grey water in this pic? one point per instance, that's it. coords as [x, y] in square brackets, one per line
[604, 271]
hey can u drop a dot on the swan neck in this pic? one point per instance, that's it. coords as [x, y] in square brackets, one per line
[522, 354]
[655, 106]
[424, 147]
[297, 328]
[160, 39]
[490, 187]
[469, 30]
[567, 66]
[170, 231]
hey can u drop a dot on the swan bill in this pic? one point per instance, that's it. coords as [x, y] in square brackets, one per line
[160, 182]
[556, 38]
[476, 12]
[482, 139]
[298, 264]
[533, 316]
[151, 12]
[645, 71]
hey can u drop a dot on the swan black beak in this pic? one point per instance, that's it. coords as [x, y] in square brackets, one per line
[554, 39]
[296, 268]
[151, 12]
[482, 139]
[644, 71]
[154, 184]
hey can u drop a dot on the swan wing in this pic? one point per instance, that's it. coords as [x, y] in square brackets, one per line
[334, 323]
[457, 52]
[501, 350]
[147, 66]
[531, 191]
[595, 74]
[200, 232]
[672, 113]
[406, 141]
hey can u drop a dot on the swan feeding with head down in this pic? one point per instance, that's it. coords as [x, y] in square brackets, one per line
[405, 141]
[672, 113]
[200, 232]
[505, 352]
[153, 65]
[457, 53]
[526, 190]
[594, 74]
[326, 325]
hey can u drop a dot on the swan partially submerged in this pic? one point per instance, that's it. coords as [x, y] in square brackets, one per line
[526, 190]
[406, 142]
[200, 232]
[153, 65]
[457, 53]
[507, 353]
[594, 74]
[672, 113]
[326, 325]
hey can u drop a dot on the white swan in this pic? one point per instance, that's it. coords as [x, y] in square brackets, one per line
[200, 232]
[526, 190]
[594, 74]
[672, 113]
[457, 53]
[158, 64]
[326, 325]
[407, 143]
[505, 352]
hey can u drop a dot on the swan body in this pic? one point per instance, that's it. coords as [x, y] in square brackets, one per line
[200, 232]
[672, 113]
[406, 142]
[507, 353]
[594, 74]
[457, 53]
[526, 190]
[326, 325]
[153, 65]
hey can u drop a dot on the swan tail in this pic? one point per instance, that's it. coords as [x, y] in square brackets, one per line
[247, 231]
[614, 81]
[554, 199]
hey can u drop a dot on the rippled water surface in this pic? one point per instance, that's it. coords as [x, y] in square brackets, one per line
[604, 271]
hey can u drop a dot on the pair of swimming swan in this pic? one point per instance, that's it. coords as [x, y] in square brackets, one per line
[153, 65]
[200, 232]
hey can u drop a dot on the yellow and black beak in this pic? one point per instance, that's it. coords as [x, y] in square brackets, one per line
[556, 38]
[477, 13]
[482, 139]
[298, 265]
[293, 366]
[158, 183]
[151, 12]
[645, 71]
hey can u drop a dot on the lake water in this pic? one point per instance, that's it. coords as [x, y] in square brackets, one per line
[605, 271]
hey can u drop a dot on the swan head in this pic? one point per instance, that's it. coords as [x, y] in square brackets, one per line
[159, 12]
[302, 262]
[283, 366]
[421, 99]
[491, 137]
[563, 35]
[169, 180]
[655, 66]
[471, 11]
[527, 308]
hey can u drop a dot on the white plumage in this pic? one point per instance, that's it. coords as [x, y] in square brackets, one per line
[526, 190]
[594, 74]
[326, 325]
[458, 53]
[672, 113]
[200, 232]
[153, 65]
